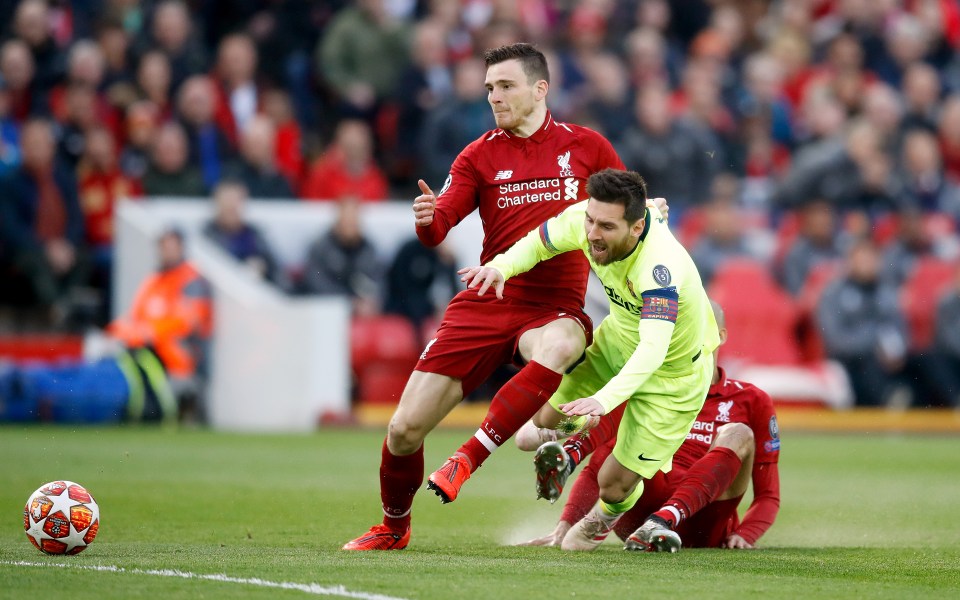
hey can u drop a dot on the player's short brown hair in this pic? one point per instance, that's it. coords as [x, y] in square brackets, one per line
[533, 62]
[620, 187]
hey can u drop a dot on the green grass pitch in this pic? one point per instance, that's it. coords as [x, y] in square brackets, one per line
[863, 516]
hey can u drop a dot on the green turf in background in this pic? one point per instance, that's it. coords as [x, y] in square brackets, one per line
[862, 517]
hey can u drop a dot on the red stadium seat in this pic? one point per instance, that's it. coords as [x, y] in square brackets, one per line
[920, 295]
[382, 383]
[761, 317]
[382, 339]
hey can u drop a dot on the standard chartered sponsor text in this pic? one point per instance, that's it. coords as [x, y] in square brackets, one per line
[526, 192]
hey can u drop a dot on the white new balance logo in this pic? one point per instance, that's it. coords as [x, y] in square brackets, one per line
[501, 175]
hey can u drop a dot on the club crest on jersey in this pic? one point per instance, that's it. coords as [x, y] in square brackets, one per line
[630, 288]
[662, 276]
[564, 162]
[723, 411]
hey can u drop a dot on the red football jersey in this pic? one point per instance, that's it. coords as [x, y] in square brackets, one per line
[732, 401]
[517, 184]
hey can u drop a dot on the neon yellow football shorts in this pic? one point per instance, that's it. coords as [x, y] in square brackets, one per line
[656, 419]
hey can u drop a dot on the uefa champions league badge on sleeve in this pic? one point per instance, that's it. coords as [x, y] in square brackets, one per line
[662, 276]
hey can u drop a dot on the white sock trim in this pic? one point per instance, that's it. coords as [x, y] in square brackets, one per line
[673, 511]
[484, 439]
[392, 516]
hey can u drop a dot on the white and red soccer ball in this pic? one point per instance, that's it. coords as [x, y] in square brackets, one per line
[61, 518]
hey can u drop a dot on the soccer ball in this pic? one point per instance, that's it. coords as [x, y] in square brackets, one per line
[61, 518]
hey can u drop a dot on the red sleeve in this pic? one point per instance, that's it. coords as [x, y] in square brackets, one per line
[766, 502]
[458, 198]
[608, 157]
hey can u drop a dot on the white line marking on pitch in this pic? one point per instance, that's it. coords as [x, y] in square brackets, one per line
[310, 588]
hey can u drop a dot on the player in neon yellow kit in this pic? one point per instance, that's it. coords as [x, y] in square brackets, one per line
[655, 349]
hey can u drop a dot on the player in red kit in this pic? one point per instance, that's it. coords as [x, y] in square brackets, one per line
[735, 440]
[519, 175]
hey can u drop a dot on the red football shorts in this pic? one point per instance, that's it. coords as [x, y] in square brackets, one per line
[480, 333]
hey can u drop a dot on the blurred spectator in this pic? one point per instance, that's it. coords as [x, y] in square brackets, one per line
[862, 327]
[647, 61]
[425, 86]
[921, 94]
[360, 56]
[850, 171]
[585, 37]
[455, 124]
[654, 17]
[257, 163]
[818, 241]
[907, 41]
[17, 71]
[80, 116]
[913, 241]
[154, 82]
[677, 157]
[171, 33]
[925, 186]
[101, 185]
[209, 146]
[347, 168]
[947, 342]
[141, 123]
[883, 110]
[723, 235]
[170, 173]
[166, 330]
[41, 221]
[949, 136]
[31, 23]
[289, 139]
[9, 134]
[238, 95]
[842, 75]
[230, 230]
[420, 282]
[114, 43]
[343, 262]
[762, 92]
[608, 104]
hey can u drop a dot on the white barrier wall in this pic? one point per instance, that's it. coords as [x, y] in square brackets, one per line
[278, 362]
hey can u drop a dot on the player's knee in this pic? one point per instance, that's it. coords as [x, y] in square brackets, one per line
[736, 436]
[404, 437]
[561, 352]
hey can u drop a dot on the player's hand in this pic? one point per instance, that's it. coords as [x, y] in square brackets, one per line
[737, 542]
[552, 539]
[424, 205]
[661, 205]
[583, 406]
[485, 277]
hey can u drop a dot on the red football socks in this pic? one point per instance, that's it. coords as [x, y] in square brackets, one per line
[584, 493]
[400, 478]
[516, 402]
[703, 483]
[583, 444]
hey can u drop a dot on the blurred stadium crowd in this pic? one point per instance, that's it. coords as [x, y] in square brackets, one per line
[809, 149]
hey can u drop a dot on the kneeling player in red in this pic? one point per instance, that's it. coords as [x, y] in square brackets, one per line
[734, 440]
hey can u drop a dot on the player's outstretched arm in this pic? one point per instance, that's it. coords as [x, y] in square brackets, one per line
[485, 277]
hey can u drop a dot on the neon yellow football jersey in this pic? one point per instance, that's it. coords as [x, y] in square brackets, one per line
[660, 316]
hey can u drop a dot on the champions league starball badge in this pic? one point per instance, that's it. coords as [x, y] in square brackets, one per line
[661, 275]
